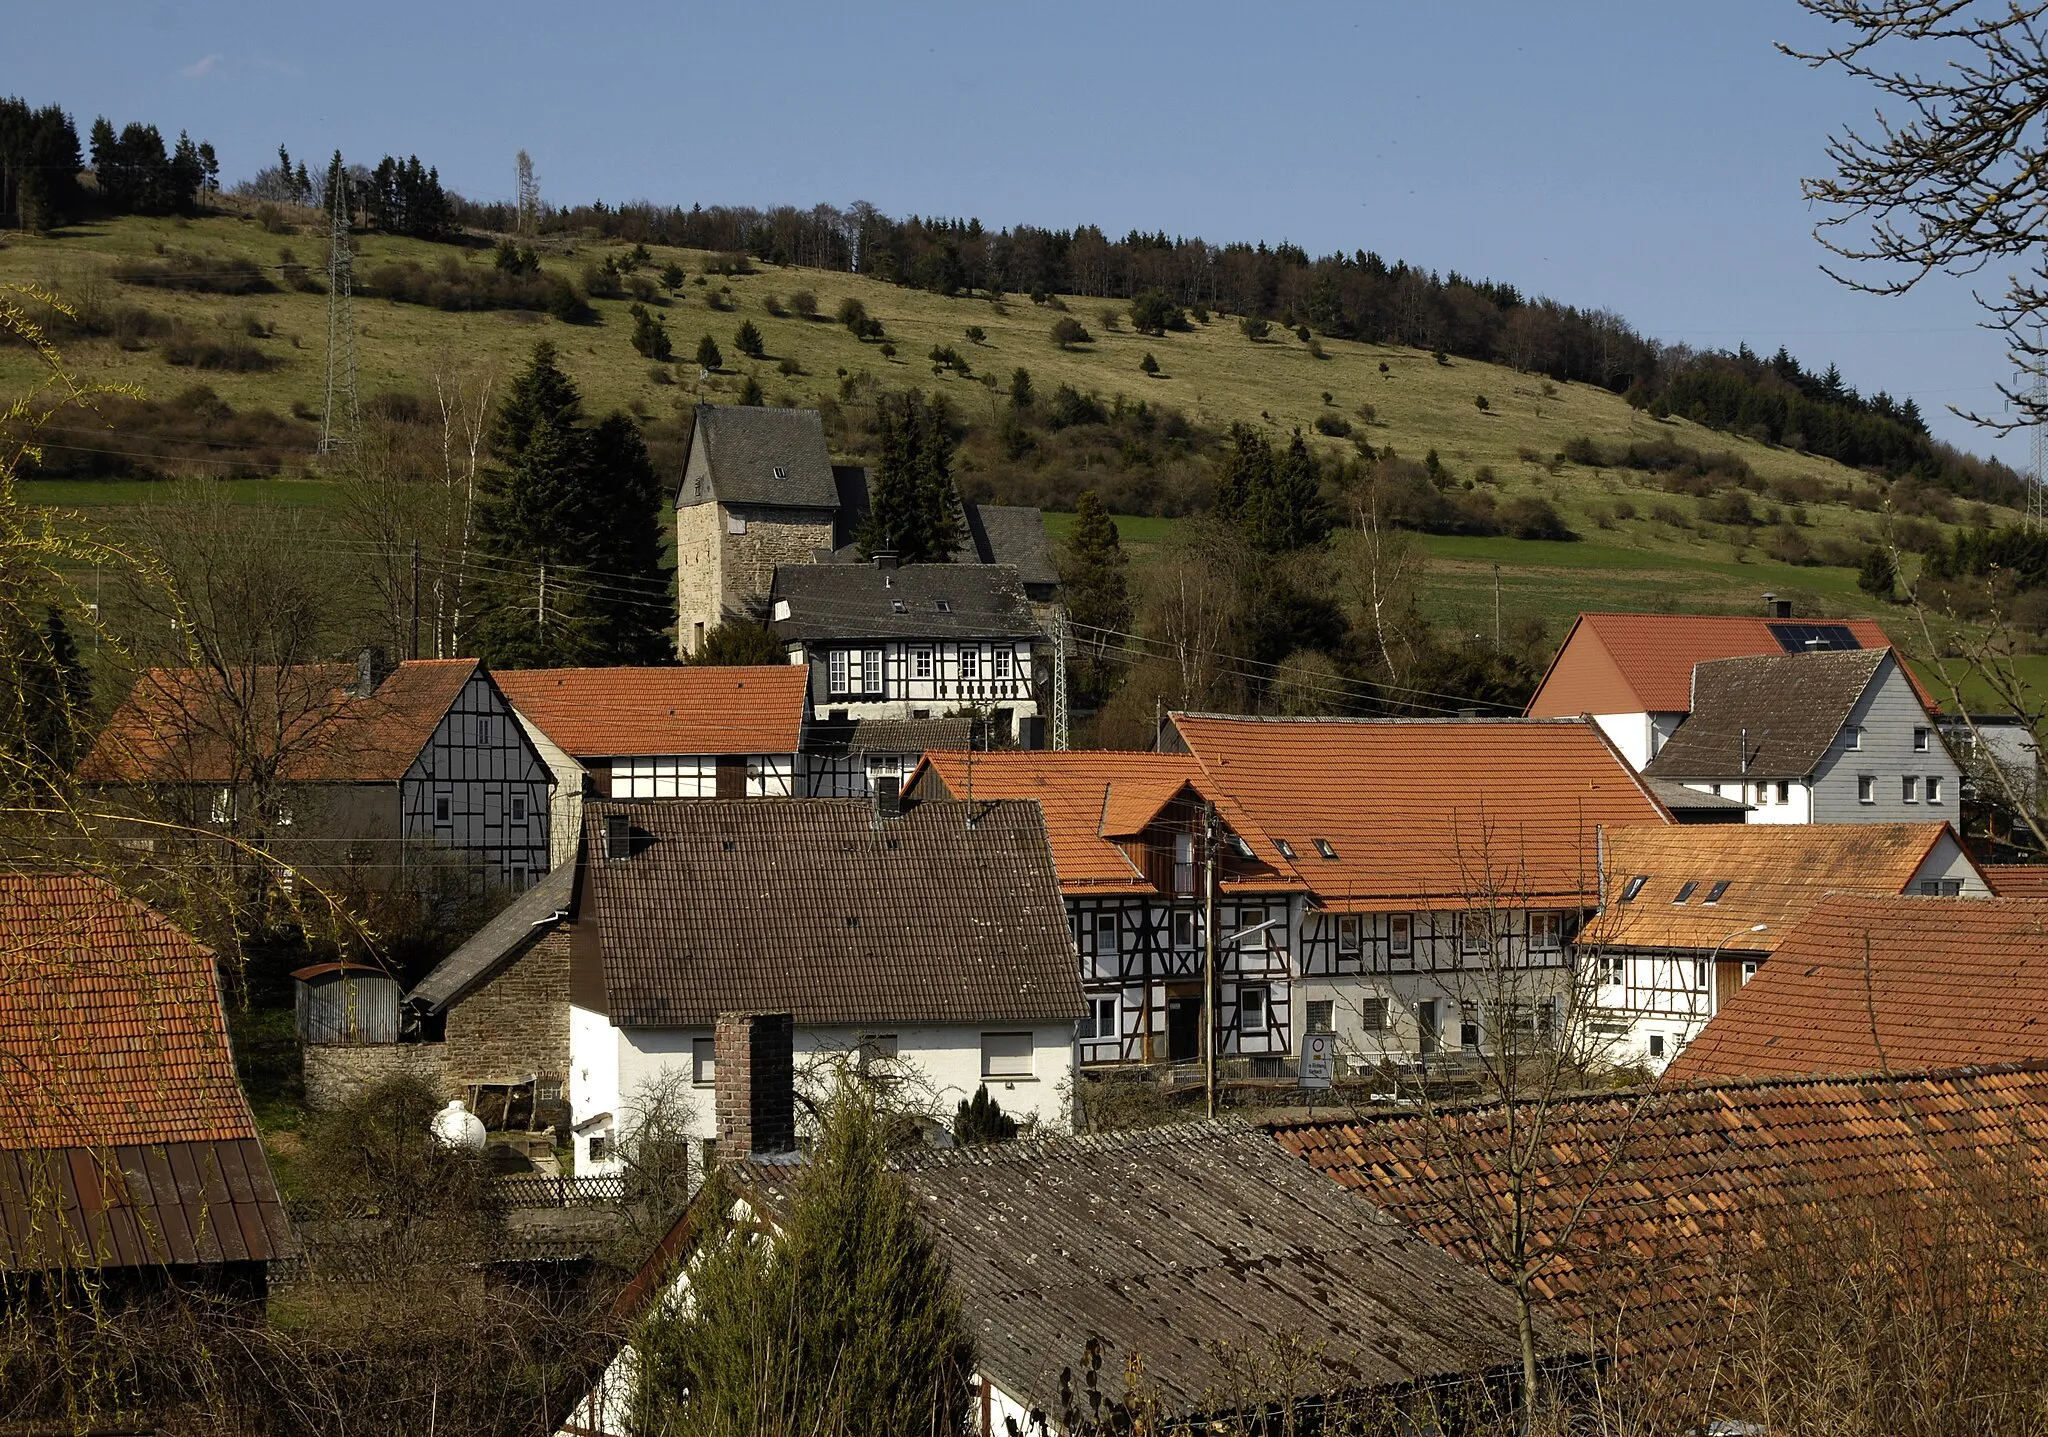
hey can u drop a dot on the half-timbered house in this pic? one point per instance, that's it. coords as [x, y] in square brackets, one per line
[1439, 867]
[365, 775]
[671, 732]
[1128, 840]
[1692, 914]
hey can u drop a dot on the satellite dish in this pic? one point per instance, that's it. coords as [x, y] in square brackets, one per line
[455, 1126]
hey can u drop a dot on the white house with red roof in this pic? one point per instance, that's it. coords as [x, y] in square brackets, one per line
[1634, 672]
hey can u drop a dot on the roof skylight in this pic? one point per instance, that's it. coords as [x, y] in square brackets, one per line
[1323, 847]
[1685, 891]
[1634, 886]
[1286, 848]
[1714, 894]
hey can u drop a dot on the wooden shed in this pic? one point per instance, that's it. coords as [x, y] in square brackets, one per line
[347, 1003]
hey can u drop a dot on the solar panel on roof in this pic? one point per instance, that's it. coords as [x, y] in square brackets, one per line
[1801, 638]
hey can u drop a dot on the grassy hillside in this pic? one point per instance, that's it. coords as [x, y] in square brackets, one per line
[1641, 546]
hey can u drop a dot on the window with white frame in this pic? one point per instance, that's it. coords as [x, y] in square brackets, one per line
[223, 807]
[1546, 932]
[1184, 928]
[1701, 972]
[665, 776]
[769, 775]
[1003, 657]
[1866, 788]
[1400, 934]
[1613, 970]
[1106, 931]
[1909, 789]
[1347, 933]
[1933, 789]
[1006, 1055]
[1473, 931]
[1852, 738]
[703, 1061]
[1251, 1008]
[921, 663]
[1921, 739]
[1250, 918]
[837, 672]
[871, 670]
[970, 664]
[1101, 1021]
[1784, 790]
[1322, 1015]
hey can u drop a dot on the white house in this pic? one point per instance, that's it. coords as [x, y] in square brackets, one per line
[1691, 913]
[1824, 737]
[1633, 672]
[928, 939]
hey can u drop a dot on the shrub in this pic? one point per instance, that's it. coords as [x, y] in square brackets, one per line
[1670, 514]
[751, 395]
[1624, 509]
[1111, 319]
[1441, 358]
[1153, 313]
[747, 339]
[945, 356]
[1069, 408]
[196, 274]
[231, 356]
[1334, 425]
[295, 275]
[1301, 333]
[1479, 403]
[601, 281]
[720, 299]
[1316, 350]
[773, 306]
[730, 263]
[457, 287]
[888, 350]
[1200, 312]
[1255, 329]
[854, 315]
[789, 368]
[804, 304]
[1729, 506]
[566, 304]
[1068, 332]
[1148, 364]
[641, 288]
[1532, 517]
[1582, 450]
[1788, 546]
[976, 334]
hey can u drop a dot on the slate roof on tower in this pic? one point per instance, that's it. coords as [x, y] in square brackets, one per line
[758, 455]
[1767, 715]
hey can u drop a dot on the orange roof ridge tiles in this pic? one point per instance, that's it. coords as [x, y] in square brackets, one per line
[1775, 873]
[177, 726]
[674, 709]
[1415, 810]
[1867, 985]
[1614, 662]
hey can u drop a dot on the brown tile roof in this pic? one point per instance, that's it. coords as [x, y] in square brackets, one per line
[901, 736]
[1867, 985]
[2017, 880]
[1642, 663]
[1776, 874]
[1771, 716]
[1177, 1244]
[1421, 809]
[700, 709]
[182, 726]
[126, 1137]
[1679, 1185]
[816, 907]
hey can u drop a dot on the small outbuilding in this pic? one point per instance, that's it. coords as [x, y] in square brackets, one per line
[346, 1003]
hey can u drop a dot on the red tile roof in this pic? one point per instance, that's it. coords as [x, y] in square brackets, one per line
[1090, 799]
[2017, 880]
[1680, 1184]
[126, 1138]
[1642, 663]
[1776, 874]
[1421, 809]
[1867, 985]
[187, 725]
[612, 713]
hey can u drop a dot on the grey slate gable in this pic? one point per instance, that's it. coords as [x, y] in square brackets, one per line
[860, 601]
[742, 454]
[1767, 716]
[509, 934]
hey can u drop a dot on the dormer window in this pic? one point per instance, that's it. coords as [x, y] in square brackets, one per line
[897, 606]
[618, 837]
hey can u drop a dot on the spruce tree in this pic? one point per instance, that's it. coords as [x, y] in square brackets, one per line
[913, 512]
[708, 357]
[1246, 472]
[567, 532]
[45, 696]
[1286, 512]
[1093, 576]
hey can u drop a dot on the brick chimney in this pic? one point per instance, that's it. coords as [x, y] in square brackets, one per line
[756, 1085]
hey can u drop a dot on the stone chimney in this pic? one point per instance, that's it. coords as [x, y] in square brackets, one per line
[1777, 608]
[756, 1085]
[885, 560]
[372, 668]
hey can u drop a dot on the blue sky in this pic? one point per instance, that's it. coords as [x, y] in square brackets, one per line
[1642, 157]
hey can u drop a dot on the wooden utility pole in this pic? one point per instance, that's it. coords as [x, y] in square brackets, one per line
[1209, 955]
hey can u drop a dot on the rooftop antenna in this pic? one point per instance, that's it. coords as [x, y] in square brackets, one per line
[338, 430]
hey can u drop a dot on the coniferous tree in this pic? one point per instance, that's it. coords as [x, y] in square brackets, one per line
[1286, 512]
[1097, 588]
[913, 513]
[39, 164]
[982, 1121]
[1246, 472]
[44, 708]
[747, 339]
[567, 526]
[708, 357]
[1877, 575]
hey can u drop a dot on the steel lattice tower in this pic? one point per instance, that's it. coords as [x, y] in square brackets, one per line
[338, 429]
